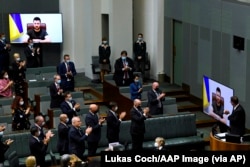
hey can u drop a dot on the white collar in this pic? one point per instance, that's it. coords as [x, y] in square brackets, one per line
[236, 106]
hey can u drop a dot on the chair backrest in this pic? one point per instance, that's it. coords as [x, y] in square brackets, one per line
[13, 159]
[5, 106]
[95, 65]
[31, 26]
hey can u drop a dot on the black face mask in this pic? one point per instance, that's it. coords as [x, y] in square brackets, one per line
[156, 89]
[139, 108]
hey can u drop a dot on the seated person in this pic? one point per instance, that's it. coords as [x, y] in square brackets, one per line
[56, 92]
[159, 144]
[124, 68]
[20, 114]
[135, 88]
[65, 160]
[5, 85]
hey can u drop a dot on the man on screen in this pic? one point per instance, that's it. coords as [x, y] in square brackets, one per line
[37, 34]
[218, 109]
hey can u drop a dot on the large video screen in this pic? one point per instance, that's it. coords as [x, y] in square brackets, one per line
[216, 94]
[21, 26]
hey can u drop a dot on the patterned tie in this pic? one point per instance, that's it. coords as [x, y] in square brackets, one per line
[125, 72]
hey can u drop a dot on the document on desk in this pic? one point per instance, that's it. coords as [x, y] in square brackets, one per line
[220, 135]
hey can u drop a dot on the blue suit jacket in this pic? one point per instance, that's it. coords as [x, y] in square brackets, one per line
[63, 70]
[134, 87]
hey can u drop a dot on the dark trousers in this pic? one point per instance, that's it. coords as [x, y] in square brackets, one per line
[140, 67]
[157, 111]
[92, 147]
[137, 141]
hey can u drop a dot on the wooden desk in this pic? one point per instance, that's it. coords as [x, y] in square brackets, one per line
[219, 145]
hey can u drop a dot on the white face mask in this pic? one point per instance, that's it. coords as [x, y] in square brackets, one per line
[67, 120]
[43, 123]
[6, 76]
[116, 108]
[156, 144]
[39, 133]
[21, 103]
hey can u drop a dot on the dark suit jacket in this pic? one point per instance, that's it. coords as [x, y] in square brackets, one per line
[140, 50]
[42, 134]
[69, 111]
[92, 120]
[76, 142]
[3, 149]
[63, 140]
[113, 127]
[38, 149]
[137, 122]
[153, 102]
[119, 74]
[63, 70]
[104, 54]
[32, 61]
[18, 74]
[237, 121]
[56, 99]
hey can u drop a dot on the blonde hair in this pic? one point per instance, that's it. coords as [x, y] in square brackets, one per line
[160, 140]
[30, 161]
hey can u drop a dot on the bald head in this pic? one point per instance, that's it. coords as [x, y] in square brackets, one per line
[16, 55]
[63, 118]
[137, 102]
[76, 122]
[93, 108]
[155, 85]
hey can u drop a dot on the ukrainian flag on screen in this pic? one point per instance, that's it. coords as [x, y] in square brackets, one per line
[16, 28]
[205, 92]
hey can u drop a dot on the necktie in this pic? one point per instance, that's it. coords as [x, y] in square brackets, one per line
[80, 131]
[159, 101]
[125, 72]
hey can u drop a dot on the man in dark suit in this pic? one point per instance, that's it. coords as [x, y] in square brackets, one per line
[140, 48]
[113, 123]
[67, 72]
[4, 146]
[237, 118]
[39, 147]
[92, 120]
[155, 98]
[32, 55]
[69, 106]
[5, 48]
[63, 140]
[124, 68]
[39, 123]
[77, 138]
[137, 128]
[56, 92]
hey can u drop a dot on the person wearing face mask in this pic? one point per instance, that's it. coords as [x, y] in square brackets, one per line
[155, 98]
[104, 54]
[69, 106]
[38, 148]
[67, 72]
[137, 127]
[20, 114]
[18, 73]
[5, 85]
[159, 144]
[135, 88]
[140, 49]
[4, 53]
[92, 120]
[124, 68]
[4, 146]
[63, 129]
[56, 92]
[39, 123]
[113, 122]
[32, 55]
